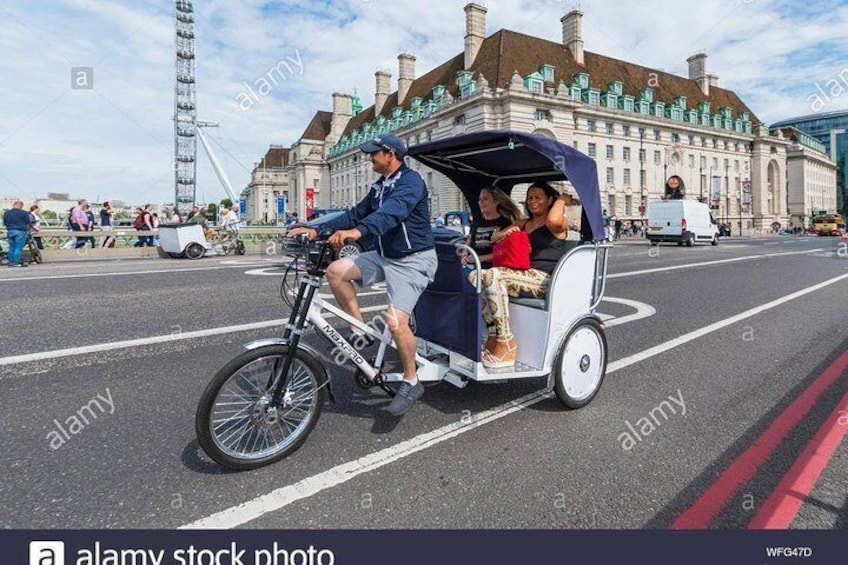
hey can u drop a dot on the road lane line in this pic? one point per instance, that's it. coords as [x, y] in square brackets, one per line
[704, 510]
[778, 512]
[98, 348]
[642, 311]
[709, 263]
[309, 486]
[127, 274]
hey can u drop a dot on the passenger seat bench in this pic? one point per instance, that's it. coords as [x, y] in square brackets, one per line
[542, 303]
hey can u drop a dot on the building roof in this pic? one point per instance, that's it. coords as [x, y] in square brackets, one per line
[505, 52]
[319, 128]
[276, 157]
[811, 117]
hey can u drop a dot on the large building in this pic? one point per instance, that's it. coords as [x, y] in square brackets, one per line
[268, 181]
[643, 126]
[811, 178]
[831, 130]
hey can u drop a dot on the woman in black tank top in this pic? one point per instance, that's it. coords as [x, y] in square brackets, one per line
[547, 228]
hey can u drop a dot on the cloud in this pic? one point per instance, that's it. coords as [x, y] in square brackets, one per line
[116, 140]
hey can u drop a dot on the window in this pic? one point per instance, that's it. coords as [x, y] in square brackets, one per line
[626, 177]
[657, 135]
[626, 130]
[594, 97]
[736, 165]
[643, 155]
[534, 86]
[592, 151]
[715, 163]
[625, 154]
[675, 138]
[691, 161]
[657, 158]
[703, 142]
[691, 140]
[609, 128]
[590, 125]
[547, 71]
[726, 164]
[459, 120]
[610, 175]
[703, 162]
[542, 116]
[610, 152]
[628, 205]
[643, 176]
[611, 207]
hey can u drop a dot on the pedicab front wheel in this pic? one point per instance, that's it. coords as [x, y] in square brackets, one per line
[581, 364]
[236, 424]
[194, 251]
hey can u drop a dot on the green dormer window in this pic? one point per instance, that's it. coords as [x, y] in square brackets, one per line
[534, 83]
[716, 121]
[407, 117]
[647, 94]
[416, 102]
[464, 77]
[728, 124]
[674, 113]
[737, 126]
[745, 116]
[610, 100]
[438, 92]
[692, 116]
[643, 107]
[704, 107]
[576, 93]
[705, 119]
[547, 72]
[356, 105]
[593, 97]
[681, 102]
[616, 87]
[396, 112]
[658, 109]
[726, 112]
[582, 80]
[627, 103]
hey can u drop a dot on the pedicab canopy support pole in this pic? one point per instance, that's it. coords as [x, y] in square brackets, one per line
[216, 165]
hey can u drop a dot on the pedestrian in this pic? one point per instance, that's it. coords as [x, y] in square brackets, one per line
[175, 217]
[396, 212]
[35, 225]
[619, 228]
[17, 221]
[154, 222]
[90, 215]
[79, 222]
[106, 213]
[141, 223]
[192, 214]
[440, 221]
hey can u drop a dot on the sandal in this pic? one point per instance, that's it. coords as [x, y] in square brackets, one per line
[503, 361]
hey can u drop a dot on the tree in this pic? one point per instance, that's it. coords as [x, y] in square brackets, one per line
[212, 210]
[226, 203]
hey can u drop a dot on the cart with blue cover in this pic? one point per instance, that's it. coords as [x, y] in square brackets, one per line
[263, 404]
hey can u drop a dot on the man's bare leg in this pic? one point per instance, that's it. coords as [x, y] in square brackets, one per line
[398, 323]
[340, 275]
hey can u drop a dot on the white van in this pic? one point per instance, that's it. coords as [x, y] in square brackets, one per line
[681, 221]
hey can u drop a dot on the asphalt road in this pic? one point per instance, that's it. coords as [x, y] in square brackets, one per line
[750, 336]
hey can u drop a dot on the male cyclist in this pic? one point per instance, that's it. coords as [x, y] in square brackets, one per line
[396, 212]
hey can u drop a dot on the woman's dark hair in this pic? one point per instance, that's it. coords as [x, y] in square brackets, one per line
[550, 192]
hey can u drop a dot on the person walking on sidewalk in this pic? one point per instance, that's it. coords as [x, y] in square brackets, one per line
[17, 222]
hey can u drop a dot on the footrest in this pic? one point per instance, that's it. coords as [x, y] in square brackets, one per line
[538, 303]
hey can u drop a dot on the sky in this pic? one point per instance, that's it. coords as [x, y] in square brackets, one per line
[114, 140]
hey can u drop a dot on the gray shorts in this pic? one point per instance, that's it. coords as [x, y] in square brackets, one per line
[405, 278]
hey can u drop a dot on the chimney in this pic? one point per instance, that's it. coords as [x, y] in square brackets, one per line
[342, 113]
[698, 71]
[475, 31]
[713, 80]
[406, 74]
[572, 34]
[384, 84]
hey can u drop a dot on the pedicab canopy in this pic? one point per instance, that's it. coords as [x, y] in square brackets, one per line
[506, 158]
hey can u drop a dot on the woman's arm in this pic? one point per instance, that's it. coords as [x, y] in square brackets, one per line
[556, 220]
[500, 235]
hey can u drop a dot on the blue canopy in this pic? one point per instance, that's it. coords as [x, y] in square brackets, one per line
[506, 158]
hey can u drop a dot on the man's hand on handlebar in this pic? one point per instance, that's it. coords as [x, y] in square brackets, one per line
[338, 239]
[309, 232]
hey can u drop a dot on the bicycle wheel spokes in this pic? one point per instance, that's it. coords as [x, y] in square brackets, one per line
[243, 423]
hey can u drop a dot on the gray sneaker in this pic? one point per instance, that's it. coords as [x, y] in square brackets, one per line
[405, 398]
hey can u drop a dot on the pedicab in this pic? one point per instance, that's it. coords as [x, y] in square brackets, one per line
[189, 240]
[263, 404]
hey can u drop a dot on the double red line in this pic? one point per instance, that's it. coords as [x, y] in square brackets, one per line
[783, 504]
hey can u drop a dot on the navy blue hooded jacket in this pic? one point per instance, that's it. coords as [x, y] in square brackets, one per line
[396, 212]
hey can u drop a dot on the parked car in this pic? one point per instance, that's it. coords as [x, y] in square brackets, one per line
[681, 221]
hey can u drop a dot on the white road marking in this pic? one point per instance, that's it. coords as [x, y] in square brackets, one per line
[309, 486]
[710, 263]
[177, 336]
[127, 274]
[642, 311]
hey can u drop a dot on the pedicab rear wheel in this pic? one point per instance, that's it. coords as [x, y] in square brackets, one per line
[194, 250]
[581, 364]
[239, 248]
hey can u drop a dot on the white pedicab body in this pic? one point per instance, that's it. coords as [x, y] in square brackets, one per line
[183, 240]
